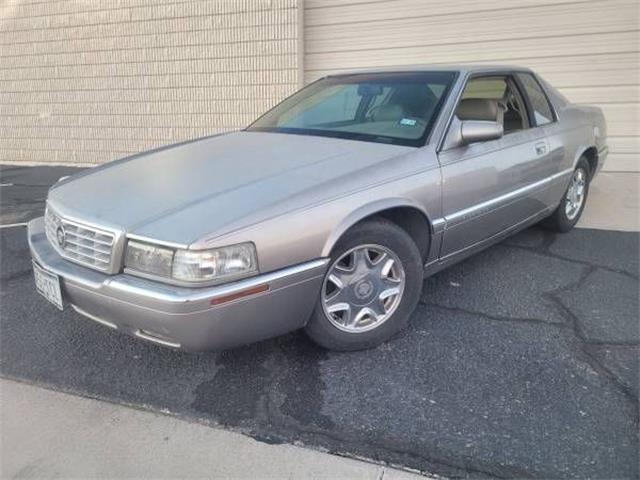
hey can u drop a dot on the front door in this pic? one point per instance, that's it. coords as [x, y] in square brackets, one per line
[493, 185]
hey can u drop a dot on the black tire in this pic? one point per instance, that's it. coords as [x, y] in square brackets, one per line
[384, 233]
[558, 221]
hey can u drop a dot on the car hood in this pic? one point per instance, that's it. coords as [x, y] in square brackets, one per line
[217, 184]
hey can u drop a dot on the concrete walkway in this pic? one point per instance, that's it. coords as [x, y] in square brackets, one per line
[613, 203]
[47, 434]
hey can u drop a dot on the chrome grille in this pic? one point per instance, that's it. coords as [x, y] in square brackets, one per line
[81, 243]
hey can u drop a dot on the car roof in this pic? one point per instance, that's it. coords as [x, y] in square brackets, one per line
[463, 68]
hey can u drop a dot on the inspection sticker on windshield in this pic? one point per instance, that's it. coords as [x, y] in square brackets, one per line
[410, 122]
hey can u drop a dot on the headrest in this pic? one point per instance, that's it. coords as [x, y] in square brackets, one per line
[478, 109]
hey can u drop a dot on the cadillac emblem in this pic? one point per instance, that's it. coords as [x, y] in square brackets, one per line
[61, 236]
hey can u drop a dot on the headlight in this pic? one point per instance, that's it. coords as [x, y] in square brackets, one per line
[217, 264]
[150, 259]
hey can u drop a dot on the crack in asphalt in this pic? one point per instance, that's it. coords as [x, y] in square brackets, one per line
[573, 260]
[585, 341]
[548, 243]
[572, 321]
[488, 316]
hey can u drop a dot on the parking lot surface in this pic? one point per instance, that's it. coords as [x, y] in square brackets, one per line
[520, 362]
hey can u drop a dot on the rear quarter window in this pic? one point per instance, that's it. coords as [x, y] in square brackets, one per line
[542, 111]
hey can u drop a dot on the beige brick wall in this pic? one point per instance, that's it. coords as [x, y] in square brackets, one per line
[88, 81]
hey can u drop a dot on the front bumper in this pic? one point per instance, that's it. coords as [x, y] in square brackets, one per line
[193, 319]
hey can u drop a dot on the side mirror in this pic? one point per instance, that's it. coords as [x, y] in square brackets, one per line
[472, 131]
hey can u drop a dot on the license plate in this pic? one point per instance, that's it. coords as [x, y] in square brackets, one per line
[48, 285]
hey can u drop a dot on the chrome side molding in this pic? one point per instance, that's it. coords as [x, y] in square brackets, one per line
[466, 213]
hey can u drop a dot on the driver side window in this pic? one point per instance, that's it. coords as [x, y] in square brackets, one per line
[499, 90]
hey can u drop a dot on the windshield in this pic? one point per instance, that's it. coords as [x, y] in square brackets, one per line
[397, 108]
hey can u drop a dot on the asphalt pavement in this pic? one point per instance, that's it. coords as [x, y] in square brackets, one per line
[519, 362]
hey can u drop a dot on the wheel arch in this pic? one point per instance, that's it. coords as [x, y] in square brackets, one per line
[590, 152]
[405, 213]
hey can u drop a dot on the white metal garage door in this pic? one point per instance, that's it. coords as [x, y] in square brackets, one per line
[588, 49]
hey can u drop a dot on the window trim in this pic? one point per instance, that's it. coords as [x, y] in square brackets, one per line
[531, 110]
[491, 73]
[512, 83]
[487, 74]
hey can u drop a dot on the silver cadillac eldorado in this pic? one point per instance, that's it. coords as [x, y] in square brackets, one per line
[324, 214]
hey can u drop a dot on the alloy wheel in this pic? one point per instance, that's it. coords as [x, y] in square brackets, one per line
[363, 288]
[575, 193]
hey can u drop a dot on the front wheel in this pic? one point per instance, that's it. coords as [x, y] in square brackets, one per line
[371, 287]
[574, 200]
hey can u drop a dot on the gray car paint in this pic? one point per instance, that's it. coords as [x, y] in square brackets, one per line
[294, 196]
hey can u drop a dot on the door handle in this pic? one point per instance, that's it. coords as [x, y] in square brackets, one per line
[541, 148]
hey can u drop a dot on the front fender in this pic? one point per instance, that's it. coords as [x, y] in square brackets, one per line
[365, 211]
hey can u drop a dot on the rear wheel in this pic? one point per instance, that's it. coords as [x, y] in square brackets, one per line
[574, 200]
[370, 289]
